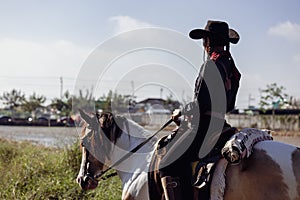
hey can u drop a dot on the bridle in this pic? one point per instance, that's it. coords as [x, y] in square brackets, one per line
[99, 176]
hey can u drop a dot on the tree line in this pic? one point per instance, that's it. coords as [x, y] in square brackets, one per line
[273, 96]
[16, 102]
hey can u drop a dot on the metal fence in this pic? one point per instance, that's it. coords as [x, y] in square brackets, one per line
[276, 122]
[272, 122]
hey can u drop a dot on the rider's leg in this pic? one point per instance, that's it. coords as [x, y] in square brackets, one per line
[176, 180]
[176, 163]
[175, 169]
[171, 187]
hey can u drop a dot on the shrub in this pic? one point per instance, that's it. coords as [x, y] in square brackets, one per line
[36, 172]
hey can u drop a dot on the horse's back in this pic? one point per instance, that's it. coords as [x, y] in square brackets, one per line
[271, 172]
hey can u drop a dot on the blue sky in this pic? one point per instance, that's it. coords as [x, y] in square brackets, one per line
[41, 41]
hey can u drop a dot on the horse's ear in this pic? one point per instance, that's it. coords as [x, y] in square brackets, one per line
[85, 116]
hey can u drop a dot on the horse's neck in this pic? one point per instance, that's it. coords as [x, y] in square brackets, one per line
[138, 162]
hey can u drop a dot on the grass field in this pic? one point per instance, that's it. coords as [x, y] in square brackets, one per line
[34, 172]
[30, 171]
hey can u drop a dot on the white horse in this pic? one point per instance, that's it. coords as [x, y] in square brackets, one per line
[116, 137]
[271, 172]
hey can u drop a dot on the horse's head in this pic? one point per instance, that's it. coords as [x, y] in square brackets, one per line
[98, 136]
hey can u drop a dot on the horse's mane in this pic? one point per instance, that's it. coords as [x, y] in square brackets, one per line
[109, 124]
[112, 126]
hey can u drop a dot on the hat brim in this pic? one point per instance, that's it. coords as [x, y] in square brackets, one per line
[197, 34]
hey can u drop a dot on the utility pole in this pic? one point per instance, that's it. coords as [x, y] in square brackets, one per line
[250, 98]
[61, 87]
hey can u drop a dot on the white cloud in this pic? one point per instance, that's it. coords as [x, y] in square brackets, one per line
[287, 30]
[126, 23]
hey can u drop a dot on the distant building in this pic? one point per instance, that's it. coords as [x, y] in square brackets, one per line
[152, 101]
[158, 105]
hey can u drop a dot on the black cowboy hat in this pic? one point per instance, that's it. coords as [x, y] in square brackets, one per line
[216, 30]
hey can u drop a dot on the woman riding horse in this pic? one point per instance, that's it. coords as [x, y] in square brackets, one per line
[212, 99]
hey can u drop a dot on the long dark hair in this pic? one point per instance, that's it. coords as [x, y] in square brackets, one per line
[211, 43]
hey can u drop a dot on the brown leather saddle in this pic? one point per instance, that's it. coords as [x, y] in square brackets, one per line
[202, 169]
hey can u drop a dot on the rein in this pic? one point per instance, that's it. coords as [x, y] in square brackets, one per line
[108, 176]
[99, 176]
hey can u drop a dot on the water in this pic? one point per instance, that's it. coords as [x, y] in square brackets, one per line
[47, 136]
[64, 136]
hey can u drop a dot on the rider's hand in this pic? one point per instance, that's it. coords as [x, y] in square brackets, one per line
[175, 116]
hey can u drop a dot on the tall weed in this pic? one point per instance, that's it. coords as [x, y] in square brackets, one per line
[29, 171]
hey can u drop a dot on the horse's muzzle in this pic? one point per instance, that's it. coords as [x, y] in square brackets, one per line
[87, 182]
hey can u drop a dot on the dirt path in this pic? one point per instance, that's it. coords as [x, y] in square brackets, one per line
[288, 139]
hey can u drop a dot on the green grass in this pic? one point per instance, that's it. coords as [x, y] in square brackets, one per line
[34, 172]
